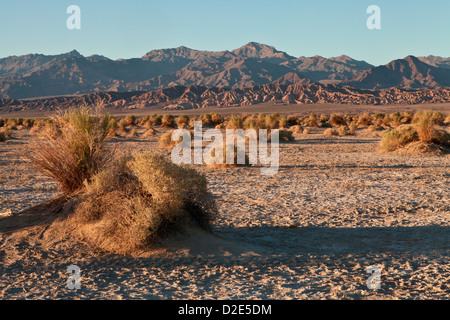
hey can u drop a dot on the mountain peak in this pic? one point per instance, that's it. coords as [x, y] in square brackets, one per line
[262, 51]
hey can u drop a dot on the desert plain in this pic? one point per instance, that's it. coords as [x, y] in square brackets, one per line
[336, 207]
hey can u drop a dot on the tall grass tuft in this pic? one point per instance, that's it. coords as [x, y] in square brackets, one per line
[75, 150]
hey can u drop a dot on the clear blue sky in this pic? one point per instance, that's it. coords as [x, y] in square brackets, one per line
[129, 29]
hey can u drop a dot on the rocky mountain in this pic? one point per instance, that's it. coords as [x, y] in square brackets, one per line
[318, 68]
[253, 64]
[192, 97]
[436, 61]
[409, 72]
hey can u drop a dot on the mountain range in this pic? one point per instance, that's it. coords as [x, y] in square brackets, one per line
[254, 64]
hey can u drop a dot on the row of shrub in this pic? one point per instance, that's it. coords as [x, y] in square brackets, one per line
[422, 129]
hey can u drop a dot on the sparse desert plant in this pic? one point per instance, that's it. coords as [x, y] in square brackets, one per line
[323, 118]
[227, 149]
[130, 120]
[6, 132]
[306, 131]
[216, 118]
[150, 132]
[395, 119]
[397, 138]
[352, 127]
[2, 136]
[313, 120]
[133, 134]
[343, 131]
[292, 120]
[330, 132]
[364, 120]
[282, 122]
[182, 121]
[250, 123]
[447, 120]
[284, 136]
[165, 141]
[407, 117]
[425, 126]
[167, 121]
[137, 201]
[76, 152]
[155, 119]
[123, 126]
[272, 121]
[296, 129]
[235, 122]
[337, 120]
[113, 126]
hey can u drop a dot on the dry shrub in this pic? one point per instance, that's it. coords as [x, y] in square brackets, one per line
[364, 120]
[292, 120]
[282, 122]
[167, 121]
[139, 200]
[447, 120]
[6, 132]
[226, 149]
[306, 131]
[425, 126]
[337, 120]
[352, 127]
[235, 122]
[343, 131]
[397, 138]
[182, 121]
[2, 136]
[130, 120]
[150, 132]
[330, 132]
[313, 120]
[133, 134]
[284, 136]
[296, 129]
[74, 150]
[216, 118]
[165, 141]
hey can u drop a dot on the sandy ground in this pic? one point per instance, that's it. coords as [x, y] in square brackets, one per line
[336, 207]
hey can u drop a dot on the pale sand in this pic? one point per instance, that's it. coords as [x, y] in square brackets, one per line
[335, 208]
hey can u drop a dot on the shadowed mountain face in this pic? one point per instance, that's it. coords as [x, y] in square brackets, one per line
[253, 64]
[409, 72]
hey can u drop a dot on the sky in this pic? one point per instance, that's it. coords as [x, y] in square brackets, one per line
[129, 29]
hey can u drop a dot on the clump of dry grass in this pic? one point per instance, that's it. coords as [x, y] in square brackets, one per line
[364, 120]
[167, 121]
[344, 131]
[284, 136]
[235, 122]
[330, 132]
[165, 141]
[5, 133]
[306, 131]
[182, 122]
[74, 149]
[296, 129]
[337, 120]
[138, 201]
[397, 138]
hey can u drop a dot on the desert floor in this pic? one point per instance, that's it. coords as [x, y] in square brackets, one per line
[336, 207]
